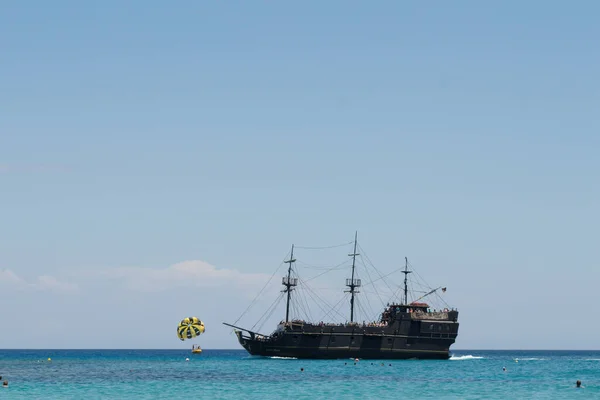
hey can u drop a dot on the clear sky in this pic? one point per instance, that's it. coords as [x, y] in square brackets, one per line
[157, 160]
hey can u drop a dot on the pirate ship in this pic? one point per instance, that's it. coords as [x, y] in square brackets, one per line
[402, 330]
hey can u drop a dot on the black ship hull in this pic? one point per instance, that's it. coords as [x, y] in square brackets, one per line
[257, 348]
[407, 339]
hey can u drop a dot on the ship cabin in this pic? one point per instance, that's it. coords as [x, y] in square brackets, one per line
[393, 310]
[417, 311]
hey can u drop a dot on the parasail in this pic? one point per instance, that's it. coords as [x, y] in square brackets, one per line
[190, 328]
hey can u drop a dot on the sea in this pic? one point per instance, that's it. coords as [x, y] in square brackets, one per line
[233, 374]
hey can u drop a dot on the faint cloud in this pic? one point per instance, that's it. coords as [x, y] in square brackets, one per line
[9, 277]
[186, 274]
[51, 283]
[42, 282]
[189, 274]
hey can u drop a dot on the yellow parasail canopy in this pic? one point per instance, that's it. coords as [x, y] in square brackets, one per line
[190, 328]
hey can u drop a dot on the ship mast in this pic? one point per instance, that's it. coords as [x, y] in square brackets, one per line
[406, 272]
[353, 283]
[289, 282]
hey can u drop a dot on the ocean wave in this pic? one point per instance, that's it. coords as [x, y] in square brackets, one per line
[529, 359]
[467, 357]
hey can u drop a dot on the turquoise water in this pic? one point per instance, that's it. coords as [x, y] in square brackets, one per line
[232, 374]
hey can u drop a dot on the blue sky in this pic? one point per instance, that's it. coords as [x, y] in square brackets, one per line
[158, 160]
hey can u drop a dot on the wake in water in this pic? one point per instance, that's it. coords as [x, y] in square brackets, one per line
[282, 358]
[467, 357]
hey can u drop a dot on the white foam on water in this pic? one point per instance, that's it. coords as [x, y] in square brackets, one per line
[283, 358]
[467, 357]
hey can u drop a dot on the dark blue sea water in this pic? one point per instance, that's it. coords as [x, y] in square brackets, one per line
[233, 374]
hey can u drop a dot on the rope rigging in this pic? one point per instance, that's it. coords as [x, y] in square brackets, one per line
[376, 270]
[301, 298]
[271, 309]
[324, 248]
[261, 290]
[335, 267]
[374, 287]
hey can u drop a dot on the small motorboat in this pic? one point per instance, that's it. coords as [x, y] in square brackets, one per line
[196, 349]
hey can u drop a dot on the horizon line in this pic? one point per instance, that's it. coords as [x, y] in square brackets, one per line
[243, 350]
